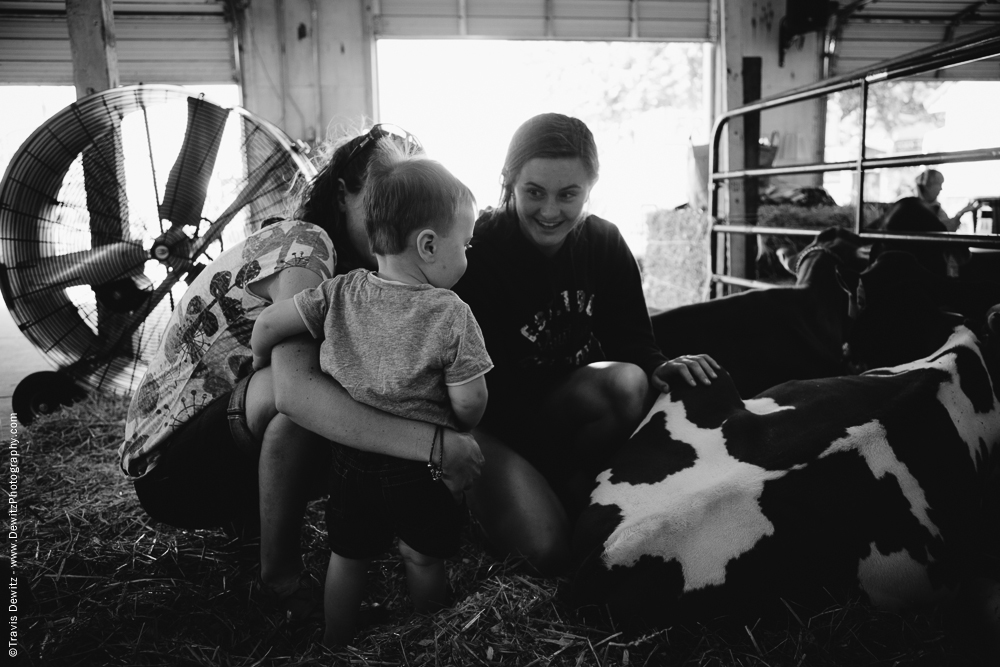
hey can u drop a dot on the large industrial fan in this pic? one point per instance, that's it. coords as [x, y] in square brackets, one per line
[108, 212]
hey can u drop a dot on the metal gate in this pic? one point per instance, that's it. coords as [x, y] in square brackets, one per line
[981, 45]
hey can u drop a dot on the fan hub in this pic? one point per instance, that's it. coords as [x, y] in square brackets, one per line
[172, 249]
[160, 251]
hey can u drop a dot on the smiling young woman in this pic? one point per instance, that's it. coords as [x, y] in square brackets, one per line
[549, 197]
[559, 298]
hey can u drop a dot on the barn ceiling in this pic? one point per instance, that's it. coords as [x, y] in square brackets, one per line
[866, 32]
[166, 41]
[191, 40]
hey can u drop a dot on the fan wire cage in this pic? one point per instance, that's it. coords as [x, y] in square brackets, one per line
[115, 204]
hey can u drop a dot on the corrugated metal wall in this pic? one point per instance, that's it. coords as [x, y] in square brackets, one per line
[650, 20]
[864, 45]
[183, 42]
[189, 41]
[878, 31]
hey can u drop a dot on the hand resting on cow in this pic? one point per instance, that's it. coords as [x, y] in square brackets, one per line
[690, 368]
[763, 337]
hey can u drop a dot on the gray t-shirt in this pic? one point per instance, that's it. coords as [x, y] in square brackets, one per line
[395, 346]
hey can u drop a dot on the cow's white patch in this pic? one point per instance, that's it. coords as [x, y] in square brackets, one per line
[972, 427]
[765, 406]
[870, 441]
[702, 516]
[895, 581]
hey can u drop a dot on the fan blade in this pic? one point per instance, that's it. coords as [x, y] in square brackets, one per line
[187, 184]
[255, 182]
[104, 185]
[88, 267]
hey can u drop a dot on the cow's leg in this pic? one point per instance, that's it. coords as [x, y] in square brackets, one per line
[291, 462]
[517, 508]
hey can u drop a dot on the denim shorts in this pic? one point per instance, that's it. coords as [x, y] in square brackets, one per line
[206, 475]
[375, 498]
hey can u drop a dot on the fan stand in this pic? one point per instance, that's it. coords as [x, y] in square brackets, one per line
[43, 393]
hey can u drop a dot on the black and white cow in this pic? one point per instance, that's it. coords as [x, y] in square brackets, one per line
[766, 336]
[868, 483]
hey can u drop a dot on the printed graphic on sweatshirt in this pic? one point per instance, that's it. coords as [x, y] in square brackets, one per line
[563, 332]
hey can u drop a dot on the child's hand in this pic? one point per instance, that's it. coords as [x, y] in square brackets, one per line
[260, 361]
[687, 367]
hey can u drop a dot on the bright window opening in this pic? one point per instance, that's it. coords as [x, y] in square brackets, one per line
[642, 101]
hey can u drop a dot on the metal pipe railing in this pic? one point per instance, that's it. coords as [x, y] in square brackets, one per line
[977, 46]
[868, 164]
[972, 240]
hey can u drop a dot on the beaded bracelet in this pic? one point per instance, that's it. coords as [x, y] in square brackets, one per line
[437, 469]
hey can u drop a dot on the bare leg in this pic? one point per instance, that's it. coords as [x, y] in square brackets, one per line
[426, 578]
[292, 461]
[345, 589]
[601, 403]
[517, 508]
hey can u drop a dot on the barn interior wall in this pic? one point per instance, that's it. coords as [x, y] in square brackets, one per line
[800, 128]
[750, 33]
[307, 65]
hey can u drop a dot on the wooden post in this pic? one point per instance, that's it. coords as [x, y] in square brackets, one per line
[92, 44]
[329, 76]
[95, 68]
[751, 157]
[734, 245]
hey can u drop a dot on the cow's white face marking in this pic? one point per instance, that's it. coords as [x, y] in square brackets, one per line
[870, 442]
[895, 581]
[702, 516]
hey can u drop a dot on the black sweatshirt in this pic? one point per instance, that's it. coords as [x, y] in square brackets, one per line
[545, 316]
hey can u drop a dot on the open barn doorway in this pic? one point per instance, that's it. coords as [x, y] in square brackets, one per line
[643, 101]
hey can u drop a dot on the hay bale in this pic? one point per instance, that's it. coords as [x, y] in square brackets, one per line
[676, 260]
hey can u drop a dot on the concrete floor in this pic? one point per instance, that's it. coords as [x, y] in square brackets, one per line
[18, 358]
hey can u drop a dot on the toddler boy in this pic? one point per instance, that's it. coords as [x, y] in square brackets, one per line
[399, 340]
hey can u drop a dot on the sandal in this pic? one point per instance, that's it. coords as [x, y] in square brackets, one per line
[302, 605]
